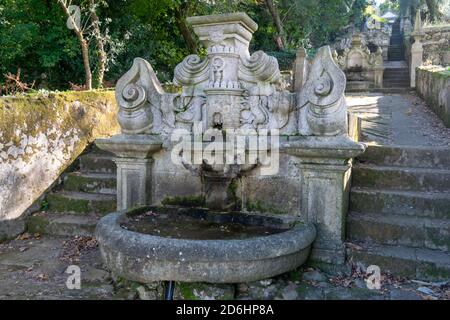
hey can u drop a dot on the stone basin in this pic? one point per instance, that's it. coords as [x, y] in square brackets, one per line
[264, 246]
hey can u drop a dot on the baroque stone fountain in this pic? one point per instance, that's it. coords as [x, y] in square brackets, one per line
[194, 209]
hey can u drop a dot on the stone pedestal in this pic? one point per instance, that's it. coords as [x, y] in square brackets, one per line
[134, 167]
[416, 48]
[325, 166]
[378, 76]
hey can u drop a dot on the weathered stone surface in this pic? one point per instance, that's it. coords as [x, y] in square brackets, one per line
[404, 179]
[147, 258]
[90, 182]
[62, 224]
[97, 163]
[47, 135]
[433, 85]
[360, 65]
[11, 228]
[313, 275]
[82, 203]
[407, 156]
[203, 291]
[436, 44]
[408, 203]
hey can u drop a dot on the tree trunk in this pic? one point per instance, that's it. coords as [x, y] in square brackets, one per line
[280, 37]
[184, 29]
[102, 58]
[84, 47]
[432, 9]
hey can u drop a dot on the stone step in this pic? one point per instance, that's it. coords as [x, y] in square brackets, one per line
[90, 182]
[407, 156]
[81, 202]
[396, 79]
[396, 84]
[62, 224]
[419, 204]
[97, 163]
[397, 178]
[391, 90]
[395, 58]
[393, 74]
[396, 75]
[422, 264]
[390, 229]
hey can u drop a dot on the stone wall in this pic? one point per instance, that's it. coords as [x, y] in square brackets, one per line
[433, 85]
[436, 45]
[40, 136]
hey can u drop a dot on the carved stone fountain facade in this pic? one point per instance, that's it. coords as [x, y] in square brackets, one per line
[364, 70]
[231, 89]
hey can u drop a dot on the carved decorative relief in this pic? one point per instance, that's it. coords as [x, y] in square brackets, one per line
[322, 101]
[229, 88]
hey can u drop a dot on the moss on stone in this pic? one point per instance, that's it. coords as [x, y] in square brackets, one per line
[185, 201]
[37, 224]
[201, 291]
[259, 206]
[58, 203]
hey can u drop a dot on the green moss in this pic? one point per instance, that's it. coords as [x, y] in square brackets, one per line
[61, 203]
[187, 291]
[258, 206]
[196, 291]
[37, 224]
[232, 195]
[58, 203]
[75, 182]
[186, 201]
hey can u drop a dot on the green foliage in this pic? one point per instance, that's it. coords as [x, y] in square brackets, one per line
[34, 36]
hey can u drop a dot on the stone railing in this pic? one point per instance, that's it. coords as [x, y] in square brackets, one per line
[40, 136]
[433, 85]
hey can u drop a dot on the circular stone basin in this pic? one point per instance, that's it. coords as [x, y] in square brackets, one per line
[197, 245]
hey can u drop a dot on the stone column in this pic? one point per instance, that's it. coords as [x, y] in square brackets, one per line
[416, 48]
[300, 69]
[134, 167]
[325, 166]
[134, 179]
[324, 156]
[378, 77]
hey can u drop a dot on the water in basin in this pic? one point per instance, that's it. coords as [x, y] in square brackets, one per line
[197, 224]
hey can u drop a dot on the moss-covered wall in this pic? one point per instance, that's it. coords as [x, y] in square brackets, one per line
[433, 85]
[40, 135]
[436, 45]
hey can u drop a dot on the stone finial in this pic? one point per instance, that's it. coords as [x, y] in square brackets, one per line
[136, 91]
[418, 25]
[324, 112]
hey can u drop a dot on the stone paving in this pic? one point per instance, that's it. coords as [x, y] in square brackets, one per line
[398, 119]
[34, 268]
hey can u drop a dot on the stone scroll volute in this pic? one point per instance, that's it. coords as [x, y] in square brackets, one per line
[137, 91]
[323, 111]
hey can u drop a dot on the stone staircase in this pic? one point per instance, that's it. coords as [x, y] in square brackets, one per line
[400, 211]
[83, 196]
[396, 77]
[395, 51]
